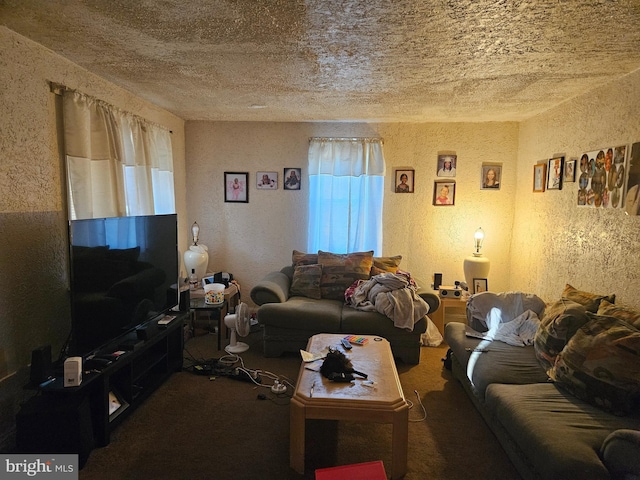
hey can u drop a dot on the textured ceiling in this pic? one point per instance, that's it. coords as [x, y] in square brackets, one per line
[349, 60]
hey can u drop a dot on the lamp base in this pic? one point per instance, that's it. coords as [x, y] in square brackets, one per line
[475, 266]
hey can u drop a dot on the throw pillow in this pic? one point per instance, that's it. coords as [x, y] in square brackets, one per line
[301, 258]
[628, 314]
[385, 264]
[559, 323]
[601, 364]
[339, 271]
[591, 301]
[306, 281]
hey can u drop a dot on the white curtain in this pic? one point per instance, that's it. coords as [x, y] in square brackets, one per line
[346, 189]
[117, 163]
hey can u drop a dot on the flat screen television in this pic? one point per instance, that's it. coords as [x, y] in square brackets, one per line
[123, 271]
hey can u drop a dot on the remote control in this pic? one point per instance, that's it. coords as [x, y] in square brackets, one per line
[166, 320]
[346, 344]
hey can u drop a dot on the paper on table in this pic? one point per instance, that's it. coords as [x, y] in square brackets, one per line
[312, 357]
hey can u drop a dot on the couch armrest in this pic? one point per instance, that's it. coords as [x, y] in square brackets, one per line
[620, 453]
[273, 288]
[432, 300]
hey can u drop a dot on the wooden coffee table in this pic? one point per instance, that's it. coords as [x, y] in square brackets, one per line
[316, 397]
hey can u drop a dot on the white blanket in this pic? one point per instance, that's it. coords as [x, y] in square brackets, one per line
[518, 332]
[393, 296]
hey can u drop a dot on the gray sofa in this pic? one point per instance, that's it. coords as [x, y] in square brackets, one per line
[547, 431]
[289, 321]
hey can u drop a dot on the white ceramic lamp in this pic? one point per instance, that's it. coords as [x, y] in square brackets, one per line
[197, 257]
[476, 265]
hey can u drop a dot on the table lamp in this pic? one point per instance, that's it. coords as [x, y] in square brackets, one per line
[197, 257]
[475, 265]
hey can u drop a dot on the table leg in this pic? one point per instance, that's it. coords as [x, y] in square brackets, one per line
[296, 435]
[399, 445]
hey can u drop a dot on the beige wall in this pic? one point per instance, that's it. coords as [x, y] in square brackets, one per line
[34, 302]
[555, 241]
[252, 239]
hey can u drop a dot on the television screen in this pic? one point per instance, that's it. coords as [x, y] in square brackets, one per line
[124, 271]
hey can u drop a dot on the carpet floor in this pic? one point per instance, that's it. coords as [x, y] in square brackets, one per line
[197, 427]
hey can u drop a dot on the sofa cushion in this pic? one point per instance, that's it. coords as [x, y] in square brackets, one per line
[301, 258]
[339, 271]
[560, 434]
[502, 363]
[385, 264]
[601, 364]
[302, 313]
[306, 281]
[558, 324]
[591, 301]
[619, 453]
[622, 312]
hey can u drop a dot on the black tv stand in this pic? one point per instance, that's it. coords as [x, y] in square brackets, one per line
[107, 394]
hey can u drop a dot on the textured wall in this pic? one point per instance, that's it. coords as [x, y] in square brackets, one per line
[252, 239]
[555, 241]
[33, 245]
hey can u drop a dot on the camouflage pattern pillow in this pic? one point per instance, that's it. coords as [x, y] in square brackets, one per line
[339, 271]
[385, 264]
[601, 365]
[306, 281]
[591, 301]
[301, 258]
[559, 323]
[622, 312]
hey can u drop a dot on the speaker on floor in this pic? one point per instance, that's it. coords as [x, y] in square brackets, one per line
[41, 367]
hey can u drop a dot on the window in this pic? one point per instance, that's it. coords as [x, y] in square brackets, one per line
[346, 190]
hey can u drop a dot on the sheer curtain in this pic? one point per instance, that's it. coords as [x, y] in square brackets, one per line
[117, 163]
[346, 189]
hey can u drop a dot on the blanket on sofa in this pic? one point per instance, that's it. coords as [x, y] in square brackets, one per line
[392, 295]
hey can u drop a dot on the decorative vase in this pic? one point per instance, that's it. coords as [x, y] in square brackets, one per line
[197, 258]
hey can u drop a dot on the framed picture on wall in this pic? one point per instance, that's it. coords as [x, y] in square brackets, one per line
[569, 171]
[479, 285]
[554, 173]
[539, 177]
[267, 180]
[292, 178]
[447, 164]
[404, 181]
[491, 177]
[236, 187]
[444, 193]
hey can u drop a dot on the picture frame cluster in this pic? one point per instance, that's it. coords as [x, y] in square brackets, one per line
[236, 184]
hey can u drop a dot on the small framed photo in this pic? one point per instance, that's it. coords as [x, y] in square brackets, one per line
[236, 187]
[491, 176]
[539, 177]
[570, 171]
[444, 193]
[554, 173]
[292, 178]
[404, 181]
[479, 285]
[447, 165]
[267, 180]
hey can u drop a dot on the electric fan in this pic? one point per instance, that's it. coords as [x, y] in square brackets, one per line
[240, 324]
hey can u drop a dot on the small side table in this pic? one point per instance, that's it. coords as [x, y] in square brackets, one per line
[219, 311]
[439, 316]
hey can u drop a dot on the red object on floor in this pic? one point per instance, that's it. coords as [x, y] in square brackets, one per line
[357, 471]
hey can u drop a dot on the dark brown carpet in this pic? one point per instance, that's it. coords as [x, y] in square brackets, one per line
[194, 427]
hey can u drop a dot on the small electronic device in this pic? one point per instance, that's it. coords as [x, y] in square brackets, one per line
[166, 320]
[73, 371]
[450, 292]
[346, 344]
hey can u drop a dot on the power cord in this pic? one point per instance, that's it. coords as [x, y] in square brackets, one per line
[424, 410]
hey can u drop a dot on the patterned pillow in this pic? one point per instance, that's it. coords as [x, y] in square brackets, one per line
[559, 323]
[301, 258]
[601, 364]
[385, 264]
[628, 314]
[339, 271]
[591, 301]
[306, 281]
